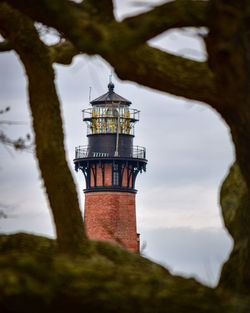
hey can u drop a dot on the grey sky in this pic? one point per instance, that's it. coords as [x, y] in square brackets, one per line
[188, 149]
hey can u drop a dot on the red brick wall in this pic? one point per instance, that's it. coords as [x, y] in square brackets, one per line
[111, 216]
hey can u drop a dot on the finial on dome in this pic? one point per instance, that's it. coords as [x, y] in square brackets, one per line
[111, 87]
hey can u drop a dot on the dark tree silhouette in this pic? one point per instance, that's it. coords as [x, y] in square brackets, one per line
[222, 82]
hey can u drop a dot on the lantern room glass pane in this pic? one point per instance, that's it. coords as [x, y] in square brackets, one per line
[108, 119]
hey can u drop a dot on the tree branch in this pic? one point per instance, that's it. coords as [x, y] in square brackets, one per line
[93, 29]
[47, 124]
[69, 18]
[5, 46]
[18, 144]
[175, 14]
[101, 10]
[142, 64]
[162, 71]
[63, 52]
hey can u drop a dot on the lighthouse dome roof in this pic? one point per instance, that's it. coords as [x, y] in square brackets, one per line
[110, 97]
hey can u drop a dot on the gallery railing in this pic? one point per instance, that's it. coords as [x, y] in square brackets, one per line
[85, 152]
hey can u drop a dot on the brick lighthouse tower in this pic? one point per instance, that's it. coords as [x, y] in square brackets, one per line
[110, 164]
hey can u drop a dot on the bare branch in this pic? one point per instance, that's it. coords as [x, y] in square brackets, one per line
[4, 122]
[3, 214]
[18, 144]
[4, 110]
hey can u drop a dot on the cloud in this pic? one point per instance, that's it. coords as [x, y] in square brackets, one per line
[191, 206]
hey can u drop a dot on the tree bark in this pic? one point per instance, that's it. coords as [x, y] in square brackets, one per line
[222, 82]
[47, 125]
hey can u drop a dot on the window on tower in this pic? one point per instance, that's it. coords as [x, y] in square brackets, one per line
[115, 175]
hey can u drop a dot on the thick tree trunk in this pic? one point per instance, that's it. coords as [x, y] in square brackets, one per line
[228, 45]
[58, 181]
[234, 200]
[47, 124]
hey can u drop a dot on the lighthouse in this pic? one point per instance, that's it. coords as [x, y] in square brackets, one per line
[110, 164]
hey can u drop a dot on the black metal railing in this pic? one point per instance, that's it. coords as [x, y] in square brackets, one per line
[85, 152]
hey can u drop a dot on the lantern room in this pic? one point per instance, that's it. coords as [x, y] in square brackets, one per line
[110, 114]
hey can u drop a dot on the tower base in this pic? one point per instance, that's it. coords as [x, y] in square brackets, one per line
[111, 216]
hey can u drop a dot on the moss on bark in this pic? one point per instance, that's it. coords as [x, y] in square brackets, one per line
[35, 277]
[234, 201]
[47, 125]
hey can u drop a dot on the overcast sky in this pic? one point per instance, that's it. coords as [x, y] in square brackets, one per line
[188, 149]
